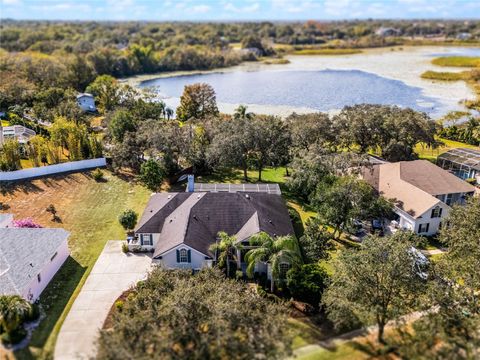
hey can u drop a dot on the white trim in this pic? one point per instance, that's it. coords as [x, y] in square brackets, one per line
[182, 245]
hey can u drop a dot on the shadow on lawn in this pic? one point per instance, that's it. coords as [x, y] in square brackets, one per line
[53, 301]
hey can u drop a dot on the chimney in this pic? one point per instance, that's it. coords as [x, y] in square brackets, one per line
[191, 183]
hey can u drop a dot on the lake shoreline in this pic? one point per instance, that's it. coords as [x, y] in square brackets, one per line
[399, 63]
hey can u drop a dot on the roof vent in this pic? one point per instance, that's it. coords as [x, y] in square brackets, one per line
[247, 196]
[195, 217]
[169, 196]
[198, 196]
[270, 221]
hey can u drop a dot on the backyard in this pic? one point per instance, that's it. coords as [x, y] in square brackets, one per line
[89, 210]
[432, 154]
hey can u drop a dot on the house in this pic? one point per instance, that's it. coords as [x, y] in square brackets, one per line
[387, 31]
[422, 192]
[179, 228]
[86, 102]
[19, 133]
[463, 162]
[29, 258]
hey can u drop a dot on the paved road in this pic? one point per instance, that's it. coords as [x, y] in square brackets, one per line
[113, 273]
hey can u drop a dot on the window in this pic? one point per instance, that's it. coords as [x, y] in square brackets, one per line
[183, 255]
[423, 228]
[284, 267]
[54, 256]
[146, 239]
[437, 212]
[39, 278]
[448, 201]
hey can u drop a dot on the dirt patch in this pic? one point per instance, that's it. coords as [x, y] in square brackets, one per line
[31, 198]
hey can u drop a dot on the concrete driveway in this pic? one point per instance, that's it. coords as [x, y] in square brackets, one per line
[113, 273]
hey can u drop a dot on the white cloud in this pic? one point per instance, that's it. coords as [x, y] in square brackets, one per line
[11, 2]
[200, 9]
[243, 9]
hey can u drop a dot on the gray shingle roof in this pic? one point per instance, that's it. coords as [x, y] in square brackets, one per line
[24, 253]
[195, 218]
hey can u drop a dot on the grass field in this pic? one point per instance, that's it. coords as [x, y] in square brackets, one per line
[457, 61]
[445, 76]
[327, 52]
[432, 154]
[89, 210]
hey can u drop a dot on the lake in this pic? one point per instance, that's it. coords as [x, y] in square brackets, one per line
[328, 83]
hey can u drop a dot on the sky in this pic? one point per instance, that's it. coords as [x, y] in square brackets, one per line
[231, 10]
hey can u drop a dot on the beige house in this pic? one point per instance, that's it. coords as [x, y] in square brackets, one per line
[423, 193]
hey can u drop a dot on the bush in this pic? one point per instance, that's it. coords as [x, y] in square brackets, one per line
[26, 223]
[97, 175]
[125, 248]
[307, 283]
[201, 316]
[14, 337]
[119, 305]
[128, 219]
[151, 174]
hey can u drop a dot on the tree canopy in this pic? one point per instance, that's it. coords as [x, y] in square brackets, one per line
[201, 316]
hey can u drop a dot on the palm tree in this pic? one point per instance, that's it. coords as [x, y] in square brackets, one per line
[226, 249]
[13, 310]
[241, 113]
[274, 251]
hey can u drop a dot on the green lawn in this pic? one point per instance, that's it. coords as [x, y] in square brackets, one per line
[89, 210]
[432, 154]
[306, 344]
[457, 61]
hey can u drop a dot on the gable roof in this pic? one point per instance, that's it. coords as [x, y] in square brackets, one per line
[431, 178]
[194, 219]
[24, 253]
[414, 184]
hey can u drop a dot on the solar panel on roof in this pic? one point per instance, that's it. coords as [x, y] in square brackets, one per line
[266, 188]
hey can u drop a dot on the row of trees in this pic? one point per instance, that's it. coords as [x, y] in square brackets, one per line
[206, 140]
[65, 140]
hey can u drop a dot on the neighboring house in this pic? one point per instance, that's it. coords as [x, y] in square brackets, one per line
[17, 132]
[464, 36]
[463, 162]
[422, 192]
[86, 102]
[387, 31]
[29, 258]
[180, 227]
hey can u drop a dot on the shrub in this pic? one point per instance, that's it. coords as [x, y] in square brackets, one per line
[128, 219]
[125, 248]
[26, 223]
[151, 174]
[14, 337]
[201, 316]
[119, 305]
[307, 283]
[97, 174]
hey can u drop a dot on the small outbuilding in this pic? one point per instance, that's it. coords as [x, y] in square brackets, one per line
[463, 162]
[86, 102]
